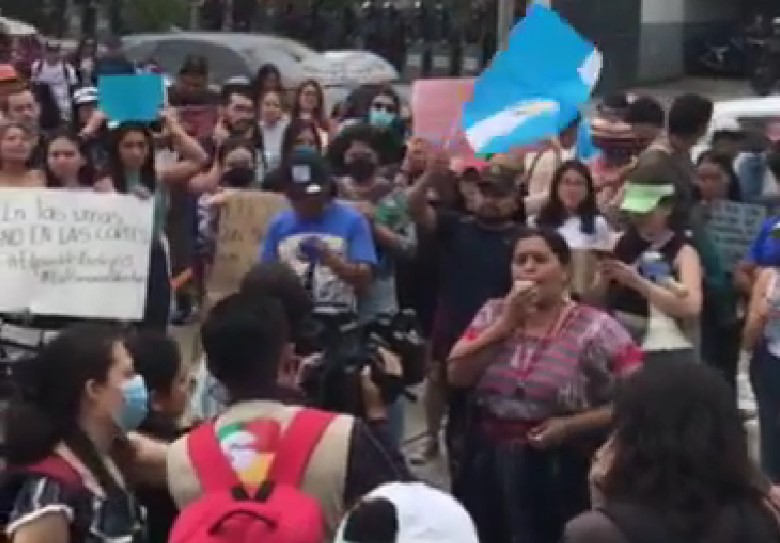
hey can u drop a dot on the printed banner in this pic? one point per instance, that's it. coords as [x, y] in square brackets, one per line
[243, 221]
[74, 254]
[732, 227]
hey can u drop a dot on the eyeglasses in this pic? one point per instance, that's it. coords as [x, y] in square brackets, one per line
[379, 106]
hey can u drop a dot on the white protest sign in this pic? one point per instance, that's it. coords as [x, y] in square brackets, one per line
[732, 227]
[76, 254]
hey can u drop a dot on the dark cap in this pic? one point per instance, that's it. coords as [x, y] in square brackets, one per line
[500, 179]
[306, 172]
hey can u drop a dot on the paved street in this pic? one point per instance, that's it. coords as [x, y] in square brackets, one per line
[415, 420]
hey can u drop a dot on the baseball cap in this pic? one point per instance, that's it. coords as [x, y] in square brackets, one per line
[422, 514]
[306, 172]
[499, 178]
[85, 95]
[644, 198]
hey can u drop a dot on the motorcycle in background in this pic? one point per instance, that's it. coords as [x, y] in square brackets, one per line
[765, 70]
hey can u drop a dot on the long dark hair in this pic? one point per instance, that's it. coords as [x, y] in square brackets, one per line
[319, 114]
[46, 407]
[258, 83]
[553, 214]
[292, 131]
[115, 167]
[727, 166]
[552, 239]
[86, 175]
[680, 449]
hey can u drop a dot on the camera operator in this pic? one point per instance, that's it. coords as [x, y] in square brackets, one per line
[279, 281]
[247, 340]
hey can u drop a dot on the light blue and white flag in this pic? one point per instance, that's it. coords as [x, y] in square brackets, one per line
[534, 88]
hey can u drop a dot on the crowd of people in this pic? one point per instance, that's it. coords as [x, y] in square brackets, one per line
[584, 334]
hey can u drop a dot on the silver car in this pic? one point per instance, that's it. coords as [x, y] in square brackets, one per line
[230, 55]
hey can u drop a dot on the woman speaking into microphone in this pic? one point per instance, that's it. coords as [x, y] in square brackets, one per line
[542, 369]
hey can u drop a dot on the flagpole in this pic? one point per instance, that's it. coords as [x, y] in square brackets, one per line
[504, 18]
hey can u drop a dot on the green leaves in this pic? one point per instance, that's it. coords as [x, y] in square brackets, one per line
[156, 15]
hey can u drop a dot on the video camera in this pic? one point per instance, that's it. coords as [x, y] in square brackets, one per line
[347, 347]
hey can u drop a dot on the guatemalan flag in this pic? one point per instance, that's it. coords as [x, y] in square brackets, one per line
[534, 88]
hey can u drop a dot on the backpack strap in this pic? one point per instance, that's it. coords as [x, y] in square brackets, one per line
[297, 445]
[292, 455]
[212, 468]
[57, 468]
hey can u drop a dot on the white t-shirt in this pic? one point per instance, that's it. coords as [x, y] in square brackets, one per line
[571, 230]
[60, 78]
[272, 141]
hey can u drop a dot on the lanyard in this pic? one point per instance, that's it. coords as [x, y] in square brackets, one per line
[530, 357]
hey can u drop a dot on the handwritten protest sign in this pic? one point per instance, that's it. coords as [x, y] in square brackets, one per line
[77, 254]
[436, 109]
[243, 221]
[732, 227]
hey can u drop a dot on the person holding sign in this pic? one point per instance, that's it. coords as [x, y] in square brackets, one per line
[326, 242]
[717, 182]
[132, 170]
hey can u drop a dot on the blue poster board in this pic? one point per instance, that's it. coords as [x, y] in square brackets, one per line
[131, 97]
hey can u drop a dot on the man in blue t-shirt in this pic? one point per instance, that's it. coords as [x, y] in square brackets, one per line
[326, 242]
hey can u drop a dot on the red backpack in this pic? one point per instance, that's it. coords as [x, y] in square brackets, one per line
[276, 512]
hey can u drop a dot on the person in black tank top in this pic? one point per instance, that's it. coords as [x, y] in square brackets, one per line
[654, 277]
[629, 249]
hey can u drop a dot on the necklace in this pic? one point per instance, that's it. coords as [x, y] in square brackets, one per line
[529, 356]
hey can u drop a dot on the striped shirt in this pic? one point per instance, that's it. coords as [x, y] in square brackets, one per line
[576, 369]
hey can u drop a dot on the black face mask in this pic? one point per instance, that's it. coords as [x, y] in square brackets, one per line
[239, 177]
[361, 169]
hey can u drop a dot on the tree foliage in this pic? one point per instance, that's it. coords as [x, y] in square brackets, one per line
[156, 15]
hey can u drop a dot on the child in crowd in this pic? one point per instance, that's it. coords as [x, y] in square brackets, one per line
[158, 360]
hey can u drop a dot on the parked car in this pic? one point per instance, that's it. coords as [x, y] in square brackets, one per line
[758, 117]
[231, 55]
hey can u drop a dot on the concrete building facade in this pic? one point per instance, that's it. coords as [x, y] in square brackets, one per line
[643, 40]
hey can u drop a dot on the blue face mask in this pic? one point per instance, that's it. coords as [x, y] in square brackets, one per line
[307, 148]
[136, 405]
[380, 118]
